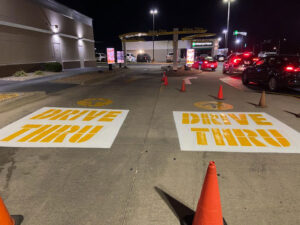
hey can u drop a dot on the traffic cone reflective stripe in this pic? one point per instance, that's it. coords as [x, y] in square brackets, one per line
[220, 94]
[183, 86]
[209, 210]
[5, 218]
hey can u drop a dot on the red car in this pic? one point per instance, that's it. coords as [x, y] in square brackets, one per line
[238, 62]
[205, 63]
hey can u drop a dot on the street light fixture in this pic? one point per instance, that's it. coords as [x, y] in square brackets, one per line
[228, 17]
[153, 12]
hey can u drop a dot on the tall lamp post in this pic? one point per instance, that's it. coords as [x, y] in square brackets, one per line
[228, 18]
[153, 12]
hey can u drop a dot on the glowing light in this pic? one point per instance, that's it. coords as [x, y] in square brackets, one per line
[219, 39]
[237, 41]
[141, 51]
[224, 31]
[55, 29]
[289, 68]
[153, 11]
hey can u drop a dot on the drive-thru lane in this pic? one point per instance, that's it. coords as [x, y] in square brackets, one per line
[59, 183]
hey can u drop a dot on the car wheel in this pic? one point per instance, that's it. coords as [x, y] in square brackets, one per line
[273, 84]
[245, 78]
[213, 69]
[224, 71]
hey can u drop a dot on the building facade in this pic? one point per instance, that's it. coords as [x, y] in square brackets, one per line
[162, 48]
[34, 32]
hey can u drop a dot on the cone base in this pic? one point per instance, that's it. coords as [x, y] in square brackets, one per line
[188, 220]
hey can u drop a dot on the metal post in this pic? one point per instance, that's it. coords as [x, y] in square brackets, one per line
[175, 48]
[227, 33]
[125, 53]
[153, 37]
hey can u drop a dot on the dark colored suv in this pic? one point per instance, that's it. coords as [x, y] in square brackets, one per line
[238, 62]
[143, 58]
[275, 71]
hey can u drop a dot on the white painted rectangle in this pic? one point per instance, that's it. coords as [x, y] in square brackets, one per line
[65, 127]
[235, 132]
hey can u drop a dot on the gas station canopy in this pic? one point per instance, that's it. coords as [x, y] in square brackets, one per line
[196, 33]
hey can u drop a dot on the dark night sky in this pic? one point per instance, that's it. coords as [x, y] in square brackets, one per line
[262, 19]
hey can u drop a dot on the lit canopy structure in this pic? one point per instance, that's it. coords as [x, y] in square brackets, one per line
[195, 33]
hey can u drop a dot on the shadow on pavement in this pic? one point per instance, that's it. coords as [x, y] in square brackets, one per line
[18, 219]
[295, 114]
[184, 214]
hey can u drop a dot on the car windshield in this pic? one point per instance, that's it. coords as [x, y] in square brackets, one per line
[171, 53]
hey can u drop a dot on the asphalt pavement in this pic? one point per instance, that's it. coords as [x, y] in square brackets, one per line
[145, 177]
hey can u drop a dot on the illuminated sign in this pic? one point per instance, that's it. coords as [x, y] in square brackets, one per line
[234, 132]
[202, 44]
[65, 127]
[110, 55]
[190, 56]
[120, 57]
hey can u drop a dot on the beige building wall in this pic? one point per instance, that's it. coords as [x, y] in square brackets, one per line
[32, 34]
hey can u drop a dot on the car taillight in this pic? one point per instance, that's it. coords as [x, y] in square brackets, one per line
[255, 59]
[237, 61]
[246, 54]
[297, 69]
[205, 62]
[289, 68]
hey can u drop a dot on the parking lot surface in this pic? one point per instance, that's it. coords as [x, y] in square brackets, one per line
[103, 153]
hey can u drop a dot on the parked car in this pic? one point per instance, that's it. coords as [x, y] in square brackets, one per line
[130, 57]
[205, 63]
[275, 72]
[169, 57]
[220, 58]
[100, 57]
[143, 57]
[238, 62]
[265, 54]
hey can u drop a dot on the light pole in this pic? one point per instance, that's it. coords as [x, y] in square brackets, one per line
[153, 12]
[228, 17]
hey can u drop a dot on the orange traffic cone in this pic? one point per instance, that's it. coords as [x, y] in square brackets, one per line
[262, 101]
[5, 218]
[183, 86]
[164, 76]
[209, 210]
[166, 81]
[220, 94]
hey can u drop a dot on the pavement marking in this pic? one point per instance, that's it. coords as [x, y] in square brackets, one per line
[235, 132]
[213, 105]
[94, 102]
[65, 127]
[188, 80]
[6, 96]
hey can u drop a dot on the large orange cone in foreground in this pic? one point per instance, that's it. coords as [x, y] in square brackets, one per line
[5, 218]
[209, 211]
[220, 94]
[183, 86]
